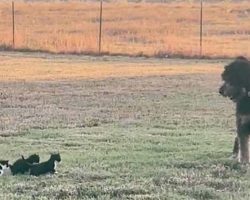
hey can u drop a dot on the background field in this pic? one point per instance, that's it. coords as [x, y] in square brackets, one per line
[151, 29]
[163, 133]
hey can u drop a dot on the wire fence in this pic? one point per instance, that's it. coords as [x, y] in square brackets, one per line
[137, 29]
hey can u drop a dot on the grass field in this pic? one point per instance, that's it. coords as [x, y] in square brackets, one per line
[150, 29]
[164, 133]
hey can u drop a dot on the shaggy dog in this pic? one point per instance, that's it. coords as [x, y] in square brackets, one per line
[236, 77]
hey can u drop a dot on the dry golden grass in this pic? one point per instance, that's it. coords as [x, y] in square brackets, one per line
[129, 28]
[16, 68]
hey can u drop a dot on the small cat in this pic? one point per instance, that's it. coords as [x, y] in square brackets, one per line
[4, 168]
[45, 167]
[21, 166]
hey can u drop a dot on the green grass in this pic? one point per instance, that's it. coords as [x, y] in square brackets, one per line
[159, 137]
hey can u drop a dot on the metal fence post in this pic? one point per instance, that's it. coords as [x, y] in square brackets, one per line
[201, 26]
[100, 28]
[13, 24]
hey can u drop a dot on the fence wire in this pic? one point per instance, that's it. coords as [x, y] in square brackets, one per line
[149, 29]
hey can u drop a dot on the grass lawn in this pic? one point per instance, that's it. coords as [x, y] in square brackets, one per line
[162, 134]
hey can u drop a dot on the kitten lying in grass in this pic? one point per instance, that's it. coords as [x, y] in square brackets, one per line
[46, 167]
[21, 166]
[4, 168]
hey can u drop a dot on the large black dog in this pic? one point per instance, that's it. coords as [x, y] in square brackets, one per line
[236, 77]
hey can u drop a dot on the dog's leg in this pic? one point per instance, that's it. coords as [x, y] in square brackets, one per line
[244, 150]
[236, 148]
[243, 139]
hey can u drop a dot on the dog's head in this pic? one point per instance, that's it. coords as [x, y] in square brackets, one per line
[235, 93]
[236, 77]
[55, 157]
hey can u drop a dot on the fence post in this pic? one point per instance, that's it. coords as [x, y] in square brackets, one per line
[13, 24]
[100, 28]
[201, 26]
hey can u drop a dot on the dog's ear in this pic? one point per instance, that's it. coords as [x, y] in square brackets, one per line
[51, 153]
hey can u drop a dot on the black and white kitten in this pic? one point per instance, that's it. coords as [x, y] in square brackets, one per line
[22, 165]
[5, 168]
[46, 167]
